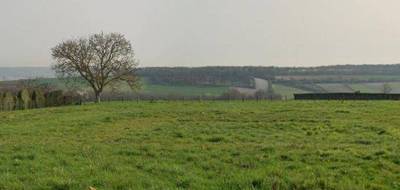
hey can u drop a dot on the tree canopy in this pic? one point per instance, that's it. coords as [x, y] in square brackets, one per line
[101, 60]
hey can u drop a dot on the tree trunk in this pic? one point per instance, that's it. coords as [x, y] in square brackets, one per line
[98, 97]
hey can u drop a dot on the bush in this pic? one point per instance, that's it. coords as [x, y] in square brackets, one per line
[27, 99]
[55, 98]
[1, 101]
[24, 99]
[261, 94]
[8, 101]
[72, 98]
[232, 94]
[38, 99]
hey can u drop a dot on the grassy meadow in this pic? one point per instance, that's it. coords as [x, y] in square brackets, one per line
[287, 92]
[203, 145]
[365, 87]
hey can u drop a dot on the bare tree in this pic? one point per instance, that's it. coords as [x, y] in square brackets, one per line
[101, 60]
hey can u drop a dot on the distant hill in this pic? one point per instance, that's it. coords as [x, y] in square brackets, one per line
[216, 80]
[239, 76]
[16, 73]
[242, 76]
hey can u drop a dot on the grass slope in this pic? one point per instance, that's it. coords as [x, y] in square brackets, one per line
[336, 87]
[376, 87]
[367, 87]
[286, 91]
[203, 145]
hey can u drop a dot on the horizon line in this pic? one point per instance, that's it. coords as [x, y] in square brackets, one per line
[273, 66]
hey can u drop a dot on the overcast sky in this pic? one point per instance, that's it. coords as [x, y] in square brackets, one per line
[210, 32]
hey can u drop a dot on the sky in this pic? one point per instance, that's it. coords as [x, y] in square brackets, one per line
[209, 32]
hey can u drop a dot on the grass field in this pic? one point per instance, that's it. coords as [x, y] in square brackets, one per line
[376, 87]
[366, 87]
[336, 87]
[203, 145]
[286, 91]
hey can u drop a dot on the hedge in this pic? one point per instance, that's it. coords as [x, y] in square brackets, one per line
[26, 99]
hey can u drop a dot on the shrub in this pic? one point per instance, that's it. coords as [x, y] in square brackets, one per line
[38, 99]
[1, 101]
[261, 94]
[232, 94]
[8, 101]
[72, 98]
[24, 99]
[55, 98]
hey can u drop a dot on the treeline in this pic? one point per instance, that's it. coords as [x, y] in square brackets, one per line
[242, 76]
[231, 94]
[223, 76]
[36, 98]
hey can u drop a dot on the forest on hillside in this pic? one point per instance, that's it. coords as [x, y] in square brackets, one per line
[242, 76]
[229, 75]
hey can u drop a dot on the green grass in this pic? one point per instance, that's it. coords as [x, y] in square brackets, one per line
[286, 91]
[203, 145]
[376, 87]
[366, 87]
[336, 87]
